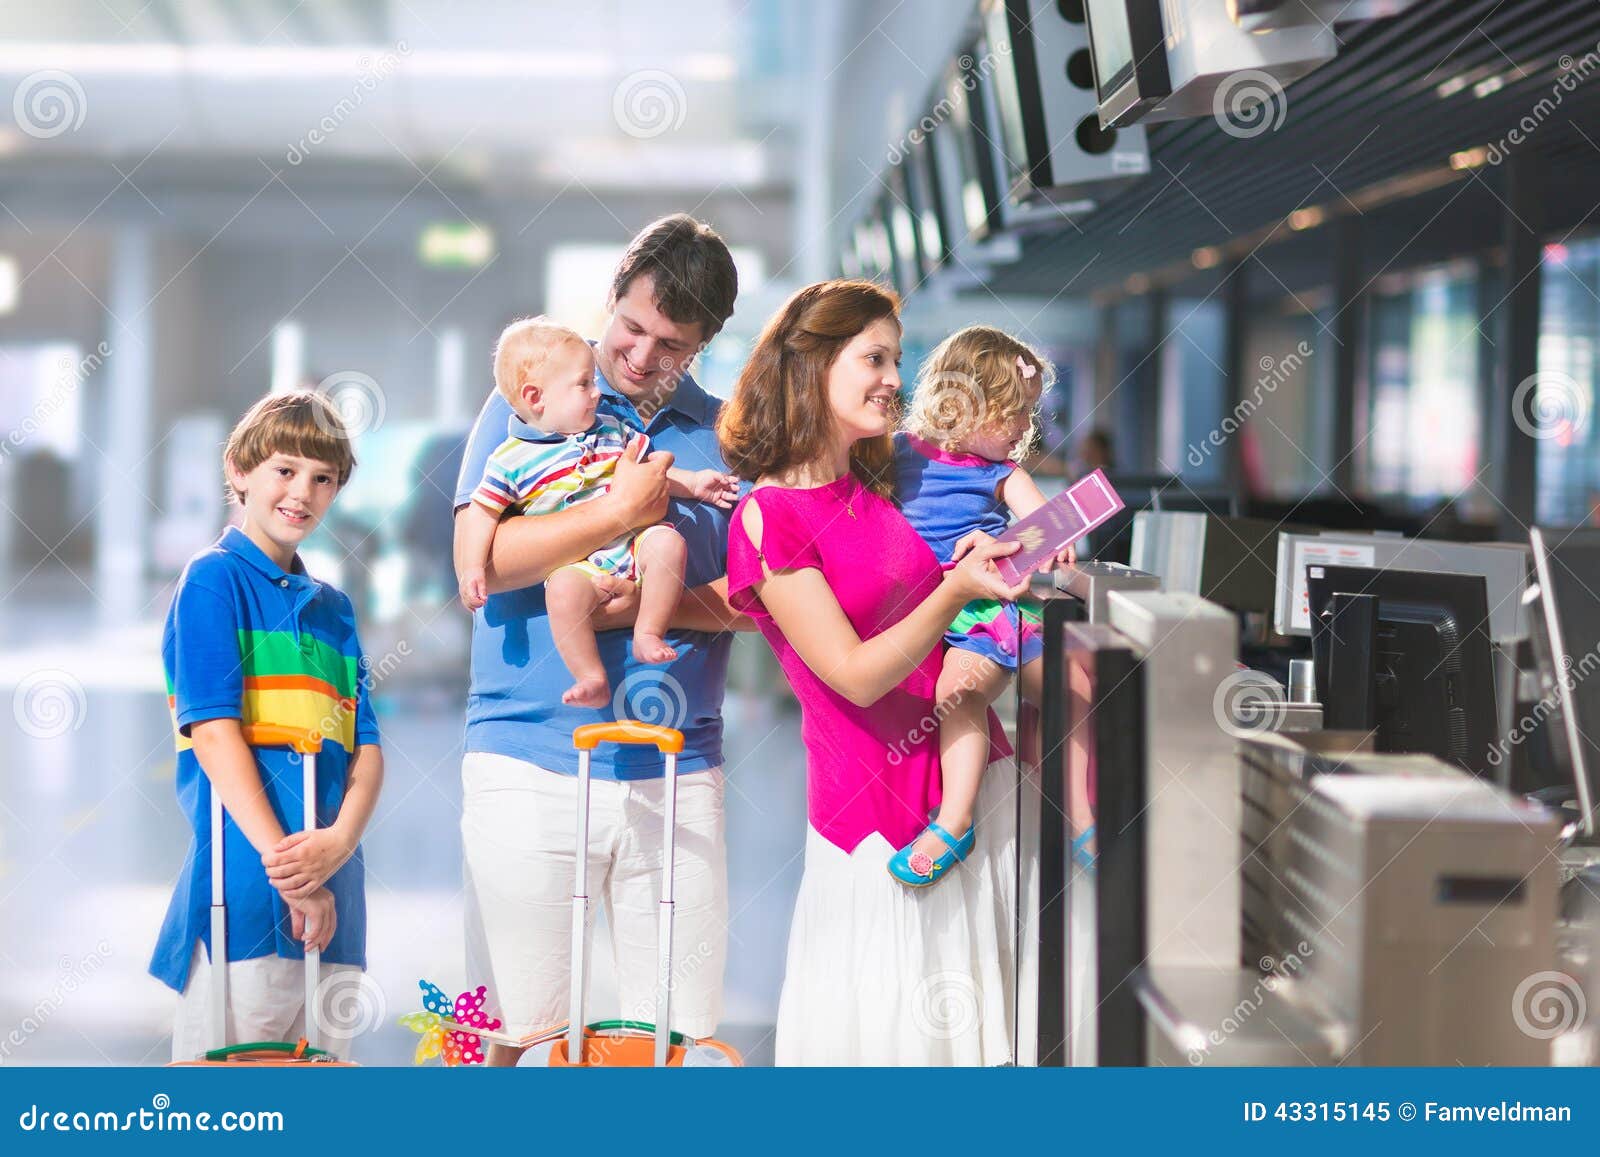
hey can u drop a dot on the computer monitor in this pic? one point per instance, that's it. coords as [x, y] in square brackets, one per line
[973, 194]
[1406, 655]
[1566, 639]
[1504, 565]
[1231, 561]
[901, 221]
[1130, 58]
[927, 204]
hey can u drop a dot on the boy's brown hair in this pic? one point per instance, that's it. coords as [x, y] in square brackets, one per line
[304, 423]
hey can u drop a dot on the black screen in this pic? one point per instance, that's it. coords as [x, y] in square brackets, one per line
[1432, 661]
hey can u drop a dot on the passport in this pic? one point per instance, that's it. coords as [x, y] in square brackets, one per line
[1058, 524]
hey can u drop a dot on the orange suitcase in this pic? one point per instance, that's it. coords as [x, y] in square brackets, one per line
[624, 1043]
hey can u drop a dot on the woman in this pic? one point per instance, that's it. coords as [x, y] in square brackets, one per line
[855, 606]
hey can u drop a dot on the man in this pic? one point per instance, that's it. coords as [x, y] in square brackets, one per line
[671, 294]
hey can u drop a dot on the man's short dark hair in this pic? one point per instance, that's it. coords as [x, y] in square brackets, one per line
[690, 268]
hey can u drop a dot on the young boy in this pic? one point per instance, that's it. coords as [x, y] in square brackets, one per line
[562, 450]
[251, 638]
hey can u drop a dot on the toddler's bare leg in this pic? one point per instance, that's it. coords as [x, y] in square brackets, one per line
[1032, 679]
[967, 685]
[662, 555]
[570, 598]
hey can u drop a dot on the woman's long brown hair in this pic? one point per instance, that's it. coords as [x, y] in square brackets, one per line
[779, 417]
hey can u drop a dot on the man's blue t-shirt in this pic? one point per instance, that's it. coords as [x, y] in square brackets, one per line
[514, 705]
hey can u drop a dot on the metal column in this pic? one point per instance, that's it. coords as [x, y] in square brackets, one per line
[1349, 334]
[122, 515]
[1236, 304]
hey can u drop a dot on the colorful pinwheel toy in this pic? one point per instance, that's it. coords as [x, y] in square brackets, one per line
[438, 1038]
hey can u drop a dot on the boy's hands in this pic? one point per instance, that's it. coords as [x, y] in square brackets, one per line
[302, 862]
[312, 920]
[715, 487]
[474, 587]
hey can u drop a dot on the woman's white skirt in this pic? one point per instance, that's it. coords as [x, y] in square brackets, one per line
[882, 974]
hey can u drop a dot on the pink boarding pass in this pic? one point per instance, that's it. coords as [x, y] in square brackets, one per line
[1058, 524]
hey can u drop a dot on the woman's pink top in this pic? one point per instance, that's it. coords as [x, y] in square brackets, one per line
[869, 769]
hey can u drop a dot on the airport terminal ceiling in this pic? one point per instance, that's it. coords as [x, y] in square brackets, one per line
[1401, 98]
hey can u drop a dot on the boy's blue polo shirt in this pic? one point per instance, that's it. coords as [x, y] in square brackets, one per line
[514, 706]
[247, 640]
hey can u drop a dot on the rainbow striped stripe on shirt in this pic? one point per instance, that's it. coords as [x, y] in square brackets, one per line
[296, 683]
[539, 477]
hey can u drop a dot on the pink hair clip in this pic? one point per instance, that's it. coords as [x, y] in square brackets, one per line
[1027, 370]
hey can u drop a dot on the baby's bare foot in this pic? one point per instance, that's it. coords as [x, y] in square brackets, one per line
[652, 649]
[592, 692]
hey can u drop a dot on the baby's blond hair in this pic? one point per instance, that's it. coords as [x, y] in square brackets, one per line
[522, 349]
[977, 378]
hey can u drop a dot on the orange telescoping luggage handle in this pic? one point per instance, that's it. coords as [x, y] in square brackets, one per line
[592, 735]
[302, 739]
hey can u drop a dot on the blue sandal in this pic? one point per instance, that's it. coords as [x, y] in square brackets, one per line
[1080, 850]
[918, 870]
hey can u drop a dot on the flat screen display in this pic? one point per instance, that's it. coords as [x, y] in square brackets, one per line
[1009, 115]
[927, 205]
[1568, 566]
[902, 231]
[1111, 42]
[1127, 44]
[966, 136]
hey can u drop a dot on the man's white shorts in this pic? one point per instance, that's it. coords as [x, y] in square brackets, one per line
[266, 1002]
[518, 829]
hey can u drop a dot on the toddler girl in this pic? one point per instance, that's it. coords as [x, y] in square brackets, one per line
[971, 421]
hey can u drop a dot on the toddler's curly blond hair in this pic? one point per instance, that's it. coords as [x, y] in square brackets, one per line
[978, 378]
